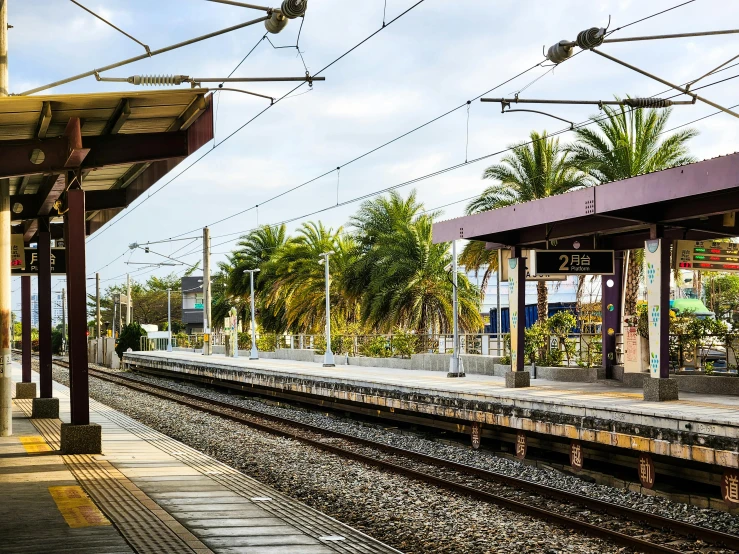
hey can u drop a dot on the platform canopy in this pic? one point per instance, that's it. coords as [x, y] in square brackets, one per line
[117, 144]
[685, 202]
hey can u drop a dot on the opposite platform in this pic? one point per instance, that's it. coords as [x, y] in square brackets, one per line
[163, 496]
[697, 427]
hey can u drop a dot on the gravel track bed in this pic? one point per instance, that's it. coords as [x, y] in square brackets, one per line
[712, 519]
[409, 515]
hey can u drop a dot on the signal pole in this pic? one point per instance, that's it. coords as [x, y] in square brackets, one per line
[6, 403]
[207, 351]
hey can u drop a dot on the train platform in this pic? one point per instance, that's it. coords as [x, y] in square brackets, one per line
[146, 493]
[698, 427]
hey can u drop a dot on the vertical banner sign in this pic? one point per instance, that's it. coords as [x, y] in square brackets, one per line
[233, 330]
[17, 252]
[730, 487]
[475, 435]
[513, 309]
[652, 272]
[576, 458]
[521, 446]
[646, 471]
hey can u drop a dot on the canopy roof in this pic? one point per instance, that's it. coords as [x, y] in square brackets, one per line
[685, 202]
[118, 144]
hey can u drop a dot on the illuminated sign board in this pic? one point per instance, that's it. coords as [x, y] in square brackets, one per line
[573, 262]
[706, 255]
[58, 262]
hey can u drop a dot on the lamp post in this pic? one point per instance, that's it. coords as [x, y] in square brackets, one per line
[169, 320]
[328, 357]
[455, 364]
[254, 354]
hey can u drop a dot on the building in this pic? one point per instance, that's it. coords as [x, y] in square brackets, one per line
[192, 304]
[34, 311]
[57, 309]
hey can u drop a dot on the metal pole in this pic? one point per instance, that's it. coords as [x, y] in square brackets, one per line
[26, 327]
[64, 319]
[498, 315]
[169, 320]
[128, 299]
[97, 303]
[328, 357]
[254, 354]
[114, 316]
[6, 402]
[206, 292]
[455, 365]
[44, 308]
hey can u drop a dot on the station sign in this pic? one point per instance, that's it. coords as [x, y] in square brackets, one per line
[646, 471]
[17, 258]
[572, 262]
[706, 255]
[576, 456]
[505, 255]
[30, 267]
[521, 445]
[475, 433]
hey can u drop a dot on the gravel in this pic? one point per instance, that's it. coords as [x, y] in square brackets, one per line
[406, 514]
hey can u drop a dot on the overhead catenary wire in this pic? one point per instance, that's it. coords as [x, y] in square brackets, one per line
[88, 10]
[248, 122]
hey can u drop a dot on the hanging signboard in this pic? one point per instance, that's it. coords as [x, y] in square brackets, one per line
[58, 262]
[706, 255]
[572, 262]
[505, 255]
[17, 255]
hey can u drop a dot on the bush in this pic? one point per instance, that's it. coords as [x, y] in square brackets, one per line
[377, 347]
[337, 344]
[183, 341]
[57, 341]
[536, 338]
[403, 343]
[561, 325]
[245, 341]
[267, 343]
[130, 337]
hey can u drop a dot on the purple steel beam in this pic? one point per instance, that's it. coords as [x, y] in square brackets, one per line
[664, 310]
[74, 226]
[26, 328]
[611, 296]
[44, 307]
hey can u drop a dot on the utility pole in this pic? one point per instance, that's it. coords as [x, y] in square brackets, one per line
[455, 365]
[6, 403]
[97, 304]
[128, 299]
[328, 357]
[207, 351]
[64, 320]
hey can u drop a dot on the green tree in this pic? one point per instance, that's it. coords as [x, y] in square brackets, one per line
[535, 169]
[130, 337]
[628, 142]
[722, 296]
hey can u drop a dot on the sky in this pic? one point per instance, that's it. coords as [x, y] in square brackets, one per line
[431, 60]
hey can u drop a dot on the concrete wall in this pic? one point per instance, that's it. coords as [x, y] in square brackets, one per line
[102, 352]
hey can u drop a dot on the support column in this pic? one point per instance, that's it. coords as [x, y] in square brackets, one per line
[6, 403]
[657, 274]
[79, 436]
[611, 309]
[25, 389]
[517, 377]
[46, 406]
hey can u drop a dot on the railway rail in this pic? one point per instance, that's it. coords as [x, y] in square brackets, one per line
[647, 532]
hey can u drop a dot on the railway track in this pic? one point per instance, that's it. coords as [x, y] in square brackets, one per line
[636, 529]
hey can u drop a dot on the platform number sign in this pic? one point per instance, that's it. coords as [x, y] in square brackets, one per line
[646, 471]
[576, 457]
[475, 433]
[520, 445]
[730, 487]
[573, 262]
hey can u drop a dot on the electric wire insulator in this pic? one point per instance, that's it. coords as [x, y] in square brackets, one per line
[155, 80]
[559, 52]
[293, 8]
[648, 102]
[275, 23]
[590, 38]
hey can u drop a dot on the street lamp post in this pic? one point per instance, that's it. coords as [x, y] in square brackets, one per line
[254, 354]
[328, 357]
[169, 320]
[455, 365]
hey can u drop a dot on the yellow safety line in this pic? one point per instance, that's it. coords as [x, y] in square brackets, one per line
[35, 444]
[77, 508]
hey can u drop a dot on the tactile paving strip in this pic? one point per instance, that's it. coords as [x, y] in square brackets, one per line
[145, 526]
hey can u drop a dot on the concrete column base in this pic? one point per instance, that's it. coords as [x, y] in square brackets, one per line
[24, 391]
[81, 439]
[660, 390]
[517, 379]
[45, 408]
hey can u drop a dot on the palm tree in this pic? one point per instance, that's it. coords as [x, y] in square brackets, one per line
[400, 275]
[255, 250]
[298, 285]
[535, 169]
[628, 142]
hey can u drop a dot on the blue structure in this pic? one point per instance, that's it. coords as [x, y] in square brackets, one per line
[532, 315]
